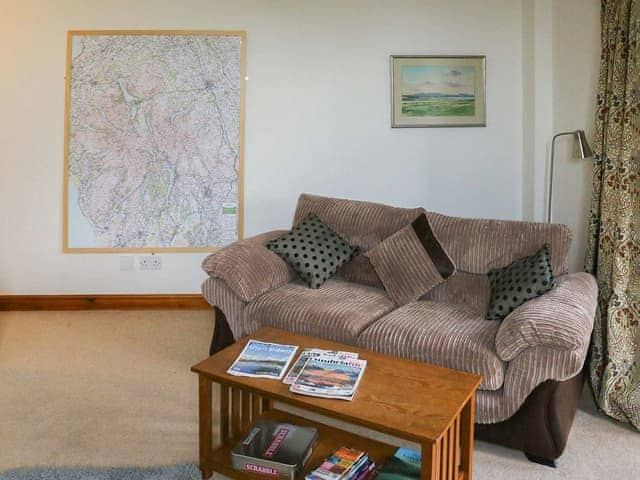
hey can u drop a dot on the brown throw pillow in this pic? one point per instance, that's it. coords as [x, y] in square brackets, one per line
[411, 262]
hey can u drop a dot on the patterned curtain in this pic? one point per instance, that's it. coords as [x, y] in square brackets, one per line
[614, 246]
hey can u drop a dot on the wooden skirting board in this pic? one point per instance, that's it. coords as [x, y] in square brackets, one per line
[104, 302]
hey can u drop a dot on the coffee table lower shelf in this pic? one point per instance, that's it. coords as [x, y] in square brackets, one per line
[238, 409]
[329, 439]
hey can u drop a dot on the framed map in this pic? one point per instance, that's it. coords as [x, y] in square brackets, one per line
[154, 134]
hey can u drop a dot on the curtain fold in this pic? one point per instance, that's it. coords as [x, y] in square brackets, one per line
[613, 253]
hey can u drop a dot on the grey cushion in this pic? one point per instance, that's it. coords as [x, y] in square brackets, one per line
[313, 250]
[522, 280]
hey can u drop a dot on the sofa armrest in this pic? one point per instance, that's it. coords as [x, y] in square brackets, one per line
[248, 267]
[561, 319]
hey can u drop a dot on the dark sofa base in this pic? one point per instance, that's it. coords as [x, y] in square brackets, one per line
[222, 336]
[540, 428]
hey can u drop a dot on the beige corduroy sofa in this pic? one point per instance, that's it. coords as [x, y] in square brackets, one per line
[530, 362]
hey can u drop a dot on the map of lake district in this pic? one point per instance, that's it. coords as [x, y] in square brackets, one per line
[154, 130]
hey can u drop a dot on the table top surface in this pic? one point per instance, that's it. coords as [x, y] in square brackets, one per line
[412, 400]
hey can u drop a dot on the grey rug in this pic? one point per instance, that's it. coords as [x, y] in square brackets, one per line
[173, 472]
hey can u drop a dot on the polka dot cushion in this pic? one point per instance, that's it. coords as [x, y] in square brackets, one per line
[313, 250]
[515, 284]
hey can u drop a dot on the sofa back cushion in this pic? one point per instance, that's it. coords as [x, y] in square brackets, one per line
[478, 245]
[466, 289]
[475, 245]
[363, 224]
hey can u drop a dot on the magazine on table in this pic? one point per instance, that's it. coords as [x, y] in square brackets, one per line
[330, 377]
[263, 359]
[308, 353]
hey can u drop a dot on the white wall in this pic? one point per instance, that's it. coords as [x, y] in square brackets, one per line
[537, 125]
[576, 62]
[561, 47]
[317, 120]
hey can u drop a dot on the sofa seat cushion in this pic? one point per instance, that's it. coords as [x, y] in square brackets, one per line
[462, 288]
[447, 335]
[337, 311]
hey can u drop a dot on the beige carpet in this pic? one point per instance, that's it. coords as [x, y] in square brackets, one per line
[114, 388]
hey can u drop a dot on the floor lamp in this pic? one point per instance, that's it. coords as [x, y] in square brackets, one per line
[584, 151]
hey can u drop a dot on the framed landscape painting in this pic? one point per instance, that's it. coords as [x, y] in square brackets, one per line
[438, 91]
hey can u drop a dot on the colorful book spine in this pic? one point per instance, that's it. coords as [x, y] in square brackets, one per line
[339, 465]
[366, 472]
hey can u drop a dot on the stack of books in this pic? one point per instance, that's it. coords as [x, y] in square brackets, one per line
[274, 449]
[345, 464]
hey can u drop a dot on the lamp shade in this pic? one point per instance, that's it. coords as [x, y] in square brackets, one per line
[584, 150]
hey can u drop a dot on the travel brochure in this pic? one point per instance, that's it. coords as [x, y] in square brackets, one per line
[264, 360]
[319, 373]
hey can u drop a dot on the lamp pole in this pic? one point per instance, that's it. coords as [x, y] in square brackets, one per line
[584, 151]
[553, 145]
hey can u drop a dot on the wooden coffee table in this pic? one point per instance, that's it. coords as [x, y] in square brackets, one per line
[429, 405]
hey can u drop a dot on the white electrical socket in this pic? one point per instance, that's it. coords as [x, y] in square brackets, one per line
[150, 262]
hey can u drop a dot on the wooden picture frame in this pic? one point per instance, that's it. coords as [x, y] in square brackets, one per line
[141, 94]
[438, 91]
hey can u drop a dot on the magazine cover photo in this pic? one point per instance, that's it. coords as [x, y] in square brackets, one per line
[262, 359]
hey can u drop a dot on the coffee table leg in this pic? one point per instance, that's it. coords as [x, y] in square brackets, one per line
[467, 419]
[430, 461]
[205, 425]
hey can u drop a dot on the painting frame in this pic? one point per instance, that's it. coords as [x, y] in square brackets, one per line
[67, 248]
[458, 101]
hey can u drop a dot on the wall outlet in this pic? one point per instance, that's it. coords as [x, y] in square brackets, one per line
[150, 262]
